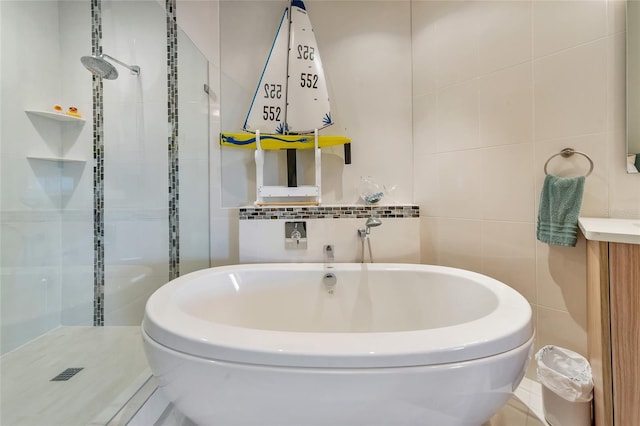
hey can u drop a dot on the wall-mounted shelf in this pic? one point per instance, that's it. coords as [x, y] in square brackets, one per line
[56, 159]
[58, 116]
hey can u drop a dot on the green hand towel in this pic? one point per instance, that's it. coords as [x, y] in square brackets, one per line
[560, 203]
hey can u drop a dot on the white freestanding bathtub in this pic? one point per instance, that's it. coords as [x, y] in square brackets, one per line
[375, 345]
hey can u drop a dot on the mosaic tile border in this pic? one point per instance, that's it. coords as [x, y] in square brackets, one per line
[328, 212]
[172, 112]
[98, 155]
[98, 170]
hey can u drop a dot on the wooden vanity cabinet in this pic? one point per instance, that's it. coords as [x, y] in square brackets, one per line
[613, 311]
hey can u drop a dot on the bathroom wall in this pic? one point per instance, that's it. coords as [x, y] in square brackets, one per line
[262, 234]
[39, 198]
[137, 245]
[366, 64]
[200, 21]
[368, 72]
[47, 216]
[135, 133]
[194, 148]
[77, 212]
[499, 87]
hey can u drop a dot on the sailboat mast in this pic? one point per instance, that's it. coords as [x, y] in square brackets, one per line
[292, 160]
[285, 129]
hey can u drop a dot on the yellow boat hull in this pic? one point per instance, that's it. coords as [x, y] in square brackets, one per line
[248, 141]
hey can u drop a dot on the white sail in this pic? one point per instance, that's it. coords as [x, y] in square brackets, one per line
[307, 96]
[299, 103]
[268, 107]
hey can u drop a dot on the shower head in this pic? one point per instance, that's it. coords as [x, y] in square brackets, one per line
[99, 66]
[372, 222]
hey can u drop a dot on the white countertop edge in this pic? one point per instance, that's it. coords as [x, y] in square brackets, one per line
[613, 230]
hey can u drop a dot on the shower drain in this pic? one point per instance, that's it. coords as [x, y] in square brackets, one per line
[66, 375]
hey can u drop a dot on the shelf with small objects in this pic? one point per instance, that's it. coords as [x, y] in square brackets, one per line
[58, 116]
[71, 117]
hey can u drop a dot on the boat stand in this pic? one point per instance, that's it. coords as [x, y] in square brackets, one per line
[266, 192]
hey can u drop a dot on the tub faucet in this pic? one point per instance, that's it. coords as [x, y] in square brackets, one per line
[329, 256]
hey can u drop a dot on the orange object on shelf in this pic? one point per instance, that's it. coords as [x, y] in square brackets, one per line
[57, 108]
[73, 111]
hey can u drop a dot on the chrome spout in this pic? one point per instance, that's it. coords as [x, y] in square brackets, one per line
[329, 256]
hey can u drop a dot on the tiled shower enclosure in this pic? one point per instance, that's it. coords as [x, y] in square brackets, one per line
[90, 223]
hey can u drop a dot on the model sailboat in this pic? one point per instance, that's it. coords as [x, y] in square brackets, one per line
[291, 102]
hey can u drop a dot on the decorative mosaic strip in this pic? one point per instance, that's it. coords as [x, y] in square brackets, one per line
[98, 170]
[172, 104]
[334, 212]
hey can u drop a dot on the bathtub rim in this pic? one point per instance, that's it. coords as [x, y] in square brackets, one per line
[507, 327]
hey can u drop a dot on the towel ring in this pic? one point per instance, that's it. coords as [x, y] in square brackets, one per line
[566, 153]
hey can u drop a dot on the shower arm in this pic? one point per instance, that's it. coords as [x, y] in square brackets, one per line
[135, 69]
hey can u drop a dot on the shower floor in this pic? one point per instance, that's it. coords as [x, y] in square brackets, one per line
[113, 365]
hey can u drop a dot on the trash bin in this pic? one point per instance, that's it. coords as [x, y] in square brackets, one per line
[567, 386]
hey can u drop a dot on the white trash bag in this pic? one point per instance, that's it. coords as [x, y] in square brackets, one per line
[566, 373]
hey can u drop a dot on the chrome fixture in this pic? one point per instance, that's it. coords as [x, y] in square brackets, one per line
[566, 153]
[329, 255]
[330, 281]
[372, 222]
[99, 66]
[364, 233]
[295, 235]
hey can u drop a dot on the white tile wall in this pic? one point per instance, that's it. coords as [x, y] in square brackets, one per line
[508, 91]
[77, 291]
[562, 106]
[497, 88]
[396, 240]
[551, 31]
[369, 80]
[30, 303]
[77, 265]
[127, 288]
[515, 83]
[460, 183]
[136, 165]
[47, 220]
[504, 38]
[506, 190]
[194, 156]
[457, 117]
[510, 83]
[33, 190]
[509, 253]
